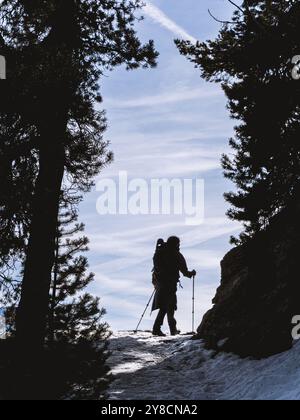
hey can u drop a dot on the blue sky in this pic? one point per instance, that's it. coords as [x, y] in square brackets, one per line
[165, 122]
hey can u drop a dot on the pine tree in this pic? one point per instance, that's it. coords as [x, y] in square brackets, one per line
[251, 57]
[57, 52]
[73, 314]
[75, 317]
[73, 364]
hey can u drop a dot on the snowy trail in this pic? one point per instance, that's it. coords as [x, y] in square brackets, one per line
[143, 367]
[150, 368]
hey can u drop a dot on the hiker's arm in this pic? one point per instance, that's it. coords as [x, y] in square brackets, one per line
[184, 268]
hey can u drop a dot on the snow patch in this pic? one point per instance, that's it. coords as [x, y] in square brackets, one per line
[222, 343]
[176, 368]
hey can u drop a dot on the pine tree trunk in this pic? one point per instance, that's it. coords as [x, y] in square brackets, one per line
[34, 305]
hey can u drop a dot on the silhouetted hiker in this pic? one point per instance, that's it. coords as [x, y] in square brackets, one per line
[168, 264]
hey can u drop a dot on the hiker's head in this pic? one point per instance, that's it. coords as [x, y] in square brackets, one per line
[173, 243]
[160, 244]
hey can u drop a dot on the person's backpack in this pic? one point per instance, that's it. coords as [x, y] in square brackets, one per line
[158, 261]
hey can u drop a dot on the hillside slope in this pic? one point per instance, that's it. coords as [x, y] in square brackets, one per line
[148, 368]
[259, 292]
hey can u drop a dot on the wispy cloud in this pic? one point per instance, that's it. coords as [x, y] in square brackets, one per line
[134, 247]
[160, 17]
[165, 123]
[163, 98]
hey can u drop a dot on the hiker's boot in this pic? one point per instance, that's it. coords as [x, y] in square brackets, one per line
[158, 333]
[173, 328]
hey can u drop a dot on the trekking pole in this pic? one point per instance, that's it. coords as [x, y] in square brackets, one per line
[193, 311]
[148, 304]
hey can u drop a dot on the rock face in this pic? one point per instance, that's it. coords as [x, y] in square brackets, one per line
[259, 293]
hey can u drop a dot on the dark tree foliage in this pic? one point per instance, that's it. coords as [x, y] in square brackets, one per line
[56, 50]
[75, 317]
[51, 140]
[73, 363]
[251, 58]
[73, 314]
[17, 178]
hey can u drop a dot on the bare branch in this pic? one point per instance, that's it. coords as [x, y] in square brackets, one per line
[221, 21]
[238, 7]
[247, 12]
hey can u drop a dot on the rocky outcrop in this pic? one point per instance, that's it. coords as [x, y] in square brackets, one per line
[259, 293]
